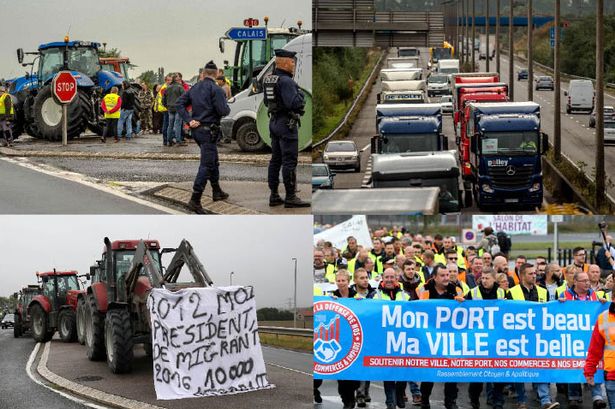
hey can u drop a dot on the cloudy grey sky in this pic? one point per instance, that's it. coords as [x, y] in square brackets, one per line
[180, 36]
[258, 249]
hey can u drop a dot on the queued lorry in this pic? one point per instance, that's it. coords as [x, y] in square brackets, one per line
[447, 67]
[396, 92]
[401, 74]
[506, 145]
[403, 62]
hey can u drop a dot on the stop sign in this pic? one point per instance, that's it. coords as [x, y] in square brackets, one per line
[64, 87]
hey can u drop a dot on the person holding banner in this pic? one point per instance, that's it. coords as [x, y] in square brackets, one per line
[411, 279]
[581, 291]
[440, 287]
[602, 348]
[527, 290]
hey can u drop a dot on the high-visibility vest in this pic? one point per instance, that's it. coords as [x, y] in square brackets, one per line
[604, 294]
[464, 287]
[477, 295]
[3, 97]
[514, 276]
[377, 262]
[159, 106]
[318, 291]
[330, 273]
[441, 258]
[517, 293]
[561, 289]
[110, 102]
[606, 326]
[424, 294]
[400, 296]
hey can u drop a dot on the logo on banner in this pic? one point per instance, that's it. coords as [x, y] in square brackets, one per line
[338, 337]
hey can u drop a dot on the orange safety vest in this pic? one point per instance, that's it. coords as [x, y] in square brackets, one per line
[110, 102]
[606, 325]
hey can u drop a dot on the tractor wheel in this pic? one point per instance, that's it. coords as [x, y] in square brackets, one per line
[40, 324]
[48, 115]
[118, 341]
[67, 326]
[248, 138]
[94, 331]
[81, 320]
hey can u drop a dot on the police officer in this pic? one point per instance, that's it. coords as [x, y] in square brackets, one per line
[208, 102]
[285, 103]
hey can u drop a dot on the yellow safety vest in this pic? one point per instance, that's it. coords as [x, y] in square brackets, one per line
[517, 293]
[159, 106]
[477, 295]
[2, 102]
[441, 258]
[464, 287]
[110, 102]
[377, 262]
[400, 296]
[318, 291]
[330, 273]
[603, 294]
[561, 289]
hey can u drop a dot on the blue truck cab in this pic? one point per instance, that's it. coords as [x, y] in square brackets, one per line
[505, 154]
[404, 128]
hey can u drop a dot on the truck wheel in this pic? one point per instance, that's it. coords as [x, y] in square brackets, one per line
[67, 326]
[118, 341]
[357, 168]
[94, 331]
[40, 324]
[248, 138]
[48, 115]
[81, 320]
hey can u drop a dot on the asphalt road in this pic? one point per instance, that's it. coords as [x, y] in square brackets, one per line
[17, 390]
[331, 399]
[162, 171]
[25, 191]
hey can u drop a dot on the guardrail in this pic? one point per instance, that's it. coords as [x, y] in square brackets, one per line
[295, 332]
[355, 103]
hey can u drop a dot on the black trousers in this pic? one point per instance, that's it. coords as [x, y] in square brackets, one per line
[284, 153]
[110, 128]
[450, 392]
[346, 390]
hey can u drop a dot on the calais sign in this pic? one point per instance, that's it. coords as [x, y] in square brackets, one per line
[205, 342]
[511, 224]
[448, 341]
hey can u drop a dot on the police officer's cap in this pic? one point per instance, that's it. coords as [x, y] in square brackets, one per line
[211, 65]
[284, 53]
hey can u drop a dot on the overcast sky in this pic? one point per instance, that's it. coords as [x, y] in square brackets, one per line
[258, 249]
[180, 36]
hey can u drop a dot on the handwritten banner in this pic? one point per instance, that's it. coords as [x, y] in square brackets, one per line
[205, 342]
[355, 226]
[448, 341]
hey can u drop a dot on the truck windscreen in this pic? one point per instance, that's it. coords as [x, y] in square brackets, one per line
[402, 143]
[510, 143]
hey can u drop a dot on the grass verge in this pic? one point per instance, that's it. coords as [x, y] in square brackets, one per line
[287, 342]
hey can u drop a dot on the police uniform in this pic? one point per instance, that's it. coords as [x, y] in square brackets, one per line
[285, 103]
[209, 105]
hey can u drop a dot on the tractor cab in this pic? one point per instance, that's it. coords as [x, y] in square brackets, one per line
[120, 65]
[56, 286]
[251, 56]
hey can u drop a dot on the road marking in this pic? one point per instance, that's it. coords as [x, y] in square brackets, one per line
[79, 178]
[63, 394]
[366, 146]
[290, 369]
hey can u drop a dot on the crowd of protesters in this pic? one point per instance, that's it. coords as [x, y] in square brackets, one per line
[402, 266]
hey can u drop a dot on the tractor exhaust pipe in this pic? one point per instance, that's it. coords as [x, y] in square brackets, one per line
[109, 273]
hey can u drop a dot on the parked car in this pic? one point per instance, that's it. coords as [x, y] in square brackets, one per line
[609, 132]
[322, 177]
[8, 321]
[545, 82]
[446, 101]
[580, 96]
[523, 74]
[342, 154]
[609, 114]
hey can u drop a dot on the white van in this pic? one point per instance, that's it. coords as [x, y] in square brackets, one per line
[580, 96]
[241, 122]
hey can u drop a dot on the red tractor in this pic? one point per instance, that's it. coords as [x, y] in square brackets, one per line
[22, 317]
[114, 308]
[54, 309]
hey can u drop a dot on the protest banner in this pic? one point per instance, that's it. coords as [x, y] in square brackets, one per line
[355, 226]
[513, 224]
[451, 341]
[205, 342]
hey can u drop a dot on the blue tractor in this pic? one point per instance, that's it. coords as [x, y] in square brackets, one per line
[38, 113]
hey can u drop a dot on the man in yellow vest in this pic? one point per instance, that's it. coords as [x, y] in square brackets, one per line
[161, 108]
[527, 290]
[7, 114]
[111, 105]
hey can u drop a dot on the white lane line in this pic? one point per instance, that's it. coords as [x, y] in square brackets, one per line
[290, 369]
[63, 394]
[366, 146]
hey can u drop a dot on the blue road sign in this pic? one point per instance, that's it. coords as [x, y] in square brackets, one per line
[245, 33]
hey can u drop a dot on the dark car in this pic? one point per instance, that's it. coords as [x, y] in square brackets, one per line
[544, 82]
[8, 321]
[322, 177]
[523, 74]
[609, 115]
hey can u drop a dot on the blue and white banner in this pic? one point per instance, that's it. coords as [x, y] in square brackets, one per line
[449, 341]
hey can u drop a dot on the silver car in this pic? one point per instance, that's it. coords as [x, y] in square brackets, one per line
[609, 132]
[609, 114]
[342, 154]
[446, 102]
[545, 82]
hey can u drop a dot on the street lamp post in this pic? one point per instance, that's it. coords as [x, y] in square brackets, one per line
[530, 51]
[473, 34]
[295, 295]
[231, 277]
[487, 35]
[599, 109]
[557, 115]
[497, 36]
[511, 53]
